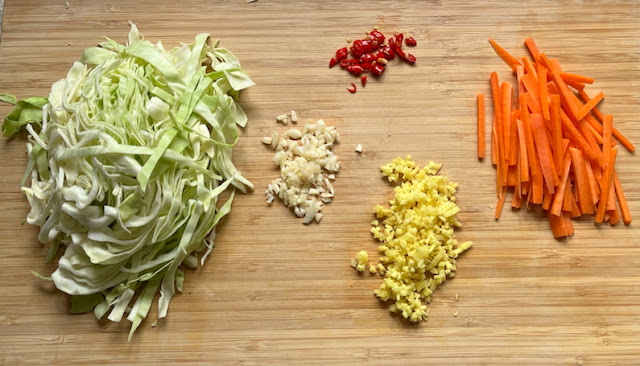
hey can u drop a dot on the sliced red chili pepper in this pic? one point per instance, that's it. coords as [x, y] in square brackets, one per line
[353, 61]
[355, 69]
[392, 43]
[410, 58]
[367, 57]
[410, 41]
[377, 69]
[332, 62]
[366, 66]
[379, 55]
[378, 36]
[363, 79]
[400, 52]
[341, 54]
[388, 53]
[399, 38]
[344, 63]
[353, 88]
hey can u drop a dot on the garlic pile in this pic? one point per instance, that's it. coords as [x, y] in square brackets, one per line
[307, 165]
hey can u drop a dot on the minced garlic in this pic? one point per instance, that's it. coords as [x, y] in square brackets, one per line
[307, 163]
[418, 245]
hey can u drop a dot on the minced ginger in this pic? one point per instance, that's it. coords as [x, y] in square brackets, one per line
[418, 244]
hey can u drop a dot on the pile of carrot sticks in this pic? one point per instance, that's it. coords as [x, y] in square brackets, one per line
[551, 145]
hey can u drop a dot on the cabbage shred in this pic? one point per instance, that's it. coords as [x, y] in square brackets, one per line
[127, 158]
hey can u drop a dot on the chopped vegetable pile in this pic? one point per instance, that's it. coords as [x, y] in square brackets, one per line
[127, 158]
[371, 54]
[554, 147]
[418, 242]
[307, 164]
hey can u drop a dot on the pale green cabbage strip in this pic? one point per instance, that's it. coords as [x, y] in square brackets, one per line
[127, 158]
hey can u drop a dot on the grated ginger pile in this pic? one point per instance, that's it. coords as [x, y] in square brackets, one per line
[418, 244]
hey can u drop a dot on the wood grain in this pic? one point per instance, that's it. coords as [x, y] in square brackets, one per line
[277, 292]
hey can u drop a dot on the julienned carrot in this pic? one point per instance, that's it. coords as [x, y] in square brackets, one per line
[593, 185]
[505, 56]
[558, 226]
[544, 152]
[534, 153]
[571, 131]
[507, 94]
[622, 201]
[556, 133]
[513, 137]
[528, 66]
[565, 94]
[582, 181]
[542, 91]
[533, 49]
[606, 185]
[524, 158]
[503, 195]
[589, 106]
[481, 142]
[607, 130]
[576, 85]
[536, 171]
[494, 148]
[577, 78]
[558, 199]
[530, 83]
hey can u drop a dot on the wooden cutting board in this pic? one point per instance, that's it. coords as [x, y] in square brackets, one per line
[277, 292]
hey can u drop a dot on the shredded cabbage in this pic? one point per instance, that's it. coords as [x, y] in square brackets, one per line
[127, 158]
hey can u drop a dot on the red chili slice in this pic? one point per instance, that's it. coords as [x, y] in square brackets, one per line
[410, 41]
[363, 79]
[377, 69]
[332, 62]
[353, 88]
[410, 58]
[341, 54]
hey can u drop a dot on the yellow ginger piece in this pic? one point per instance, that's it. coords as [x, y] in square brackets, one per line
[359, 263]
[418, 244]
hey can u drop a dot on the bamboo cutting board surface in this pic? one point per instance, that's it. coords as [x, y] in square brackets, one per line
[277, 292]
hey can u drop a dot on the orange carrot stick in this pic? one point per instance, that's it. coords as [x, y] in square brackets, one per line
[503, 195]
[576, 85]
[594, 132]
[558, 200]
[614, 217]
[524, 158]
[607, 130]
[566, 205]
[556, 133]
[544, 152]
[536, 171]
[555, 65]
[533, 104]
[606, 185]
[507, 98]
[533, 49]
[547, 200]
[611, 200]
[494, 148]
[593, 185]
[577, 78]
[513, 137]
[589, 106]
[531, 85]
[481, 126]
[583, 94]
[565, 94]
[519, 75]
[575, 208]
[622, 201]
[582, 181]
[542, 92]
[567, 220]
[572, 132]
[558, 226]
[529, 68]
[505, 56]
